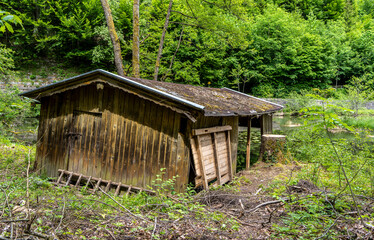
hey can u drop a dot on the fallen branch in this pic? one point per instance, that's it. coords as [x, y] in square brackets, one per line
[266, 204]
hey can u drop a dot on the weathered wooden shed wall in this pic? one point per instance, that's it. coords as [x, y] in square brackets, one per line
[233, 121]
[105, 132]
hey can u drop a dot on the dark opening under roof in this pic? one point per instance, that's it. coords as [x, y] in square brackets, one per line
[213, 101]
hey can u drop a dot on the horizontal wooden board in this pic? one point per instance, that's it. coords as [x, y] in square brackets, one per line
[202, 131]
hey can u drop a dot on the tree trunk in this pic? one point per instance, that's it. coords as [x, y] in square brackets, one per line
[113, 37]
[175, 53]
[159, 54]
[135, 41]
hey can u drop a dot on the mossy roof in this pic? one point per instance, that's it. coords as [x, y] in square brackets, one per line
[212, 101]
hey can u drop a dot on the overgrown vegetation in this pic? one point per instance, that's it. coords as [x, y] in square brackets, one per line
[268, 48]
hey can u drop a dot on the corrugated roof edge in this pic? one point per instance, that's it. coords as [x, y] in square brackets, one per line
[117, 77]
[255, 97]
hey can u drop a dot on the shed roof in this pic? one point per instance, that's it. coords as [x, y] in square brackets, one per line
[212, 101]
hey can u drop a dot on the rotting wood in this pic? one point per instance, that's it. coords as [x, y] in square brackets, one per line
[248, 154]
[210, 130]
[201, 162]
[211, 148]
[108, 183]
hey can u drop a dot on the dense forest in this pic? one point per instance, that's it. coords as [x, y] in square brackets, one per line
[267, 48]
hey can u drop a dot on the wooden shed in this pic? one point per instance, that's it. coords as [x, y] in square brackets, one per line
[125, 130]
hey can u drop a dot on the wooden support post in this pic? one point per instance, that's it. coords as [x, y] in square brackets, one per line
[118, 189]
[248, 156]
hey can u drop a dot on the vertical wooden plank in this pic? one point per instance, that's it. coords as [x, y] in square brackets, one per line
[80, 128]
[147, 144]
[39, 163]
[63, 147]
[138, 169]
[113, 138]
[86, 154]
[129, 126]
[86, 125]
[69, 128]
[133, 115]
[49, 140]
[169, 142]
[55, 136]
[116, 175]
[181, 170]
[124, 139]
[156, 132]
[163, 141]
[104, 129]
[109, 133]
[174, 148]
[248, 155]
[97, 101]
[202, 165]
[216, 160]
[228, 142]
[58, 130]
[88, 151]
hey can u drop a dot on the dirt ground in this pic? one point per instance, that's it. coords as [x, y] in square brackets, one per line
[245, 205]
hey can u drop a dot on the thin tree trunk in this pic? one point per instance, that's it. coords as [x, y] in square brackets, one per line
[175, 53]
[159, 54]
[113, 37]
[135, 41]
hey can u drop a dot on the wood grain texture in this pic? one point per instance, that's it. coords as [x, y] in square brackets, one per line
[123, 137]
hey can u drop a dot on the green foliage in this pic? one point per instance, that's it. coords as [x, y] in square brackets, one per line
[5, 19]
[14, 110]
[264, 47]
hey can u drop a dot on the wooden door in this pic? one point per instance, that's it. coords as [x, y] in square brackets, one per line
[83, 143]
[211, 150]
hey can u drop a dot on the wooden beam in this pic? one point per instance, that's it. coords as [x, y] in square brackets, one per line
[201, 162]
[248, 156]
[216, 160]
[202, 131]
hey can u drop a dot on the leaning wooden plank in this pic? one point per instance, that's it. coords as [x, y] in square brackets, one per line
[195, 158]
[216, 162]
[202, 167]
[202, 131]
[228, 142]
